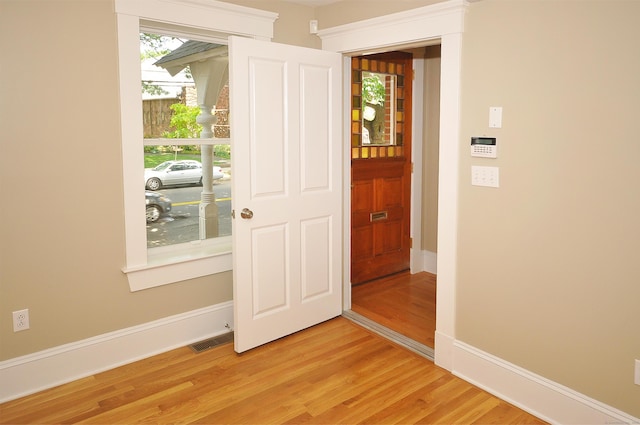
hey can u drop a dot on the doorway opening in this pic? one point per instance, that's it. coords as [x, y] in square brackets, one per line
[400, 301]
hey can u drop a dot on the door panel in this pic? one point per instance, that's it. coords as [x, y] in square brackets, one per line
[315, 258]
[270, 279]
[287, 165]
[315, 129]
[380, 240]
[268, 160]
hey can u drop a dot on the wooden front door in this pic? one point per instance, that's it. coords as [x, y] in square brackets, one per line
[380, 165]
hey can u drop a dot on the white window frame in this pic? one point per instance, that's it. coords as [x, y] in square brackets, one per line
[196, 19]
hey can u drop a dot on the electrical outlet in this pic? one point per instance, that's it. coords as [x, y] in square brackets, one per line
[21, 320]
[637, 374]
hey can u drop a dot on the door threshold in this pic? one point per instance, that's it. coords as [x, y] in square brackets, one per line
[390, 334]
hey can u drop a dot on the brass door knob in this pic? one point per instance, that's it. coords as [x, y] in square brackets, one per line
[246, 213]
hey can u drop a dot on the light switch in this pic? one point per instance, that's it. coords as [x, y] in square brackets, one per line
[485, 176]
[313, 26]
[495, 117]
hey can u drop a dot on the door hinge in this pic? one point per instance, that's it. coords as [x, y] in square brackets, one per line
[410, 242]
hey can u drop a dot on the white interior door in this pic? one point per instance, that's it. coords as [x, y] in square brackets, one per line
[286, 126]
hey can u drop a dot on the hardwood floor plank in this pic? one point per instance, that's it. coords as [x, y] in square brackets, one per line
[414, 405]
[366, 385]
[335, 372]
[404, 302]
[377, 398]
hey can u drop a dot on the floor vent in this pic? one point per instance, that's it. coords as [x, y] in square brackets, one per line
[201, 346]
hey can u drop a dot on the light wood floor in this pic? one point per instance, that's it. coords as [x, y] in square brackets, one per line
[402, 302]
[334, 373]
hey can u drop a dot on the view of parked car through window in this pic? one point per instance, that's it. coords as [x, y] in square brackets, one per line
[172, 173]
[157, 206]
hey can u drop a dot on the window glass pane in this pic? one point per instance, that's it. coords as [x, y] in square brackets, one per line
[184, 201]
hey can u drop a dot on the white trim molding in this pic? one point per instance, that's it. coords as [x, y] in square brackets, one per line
[35, 372]
[208, 15]
[535, 394]
[403, 29]
[438, 23]
[430, 262]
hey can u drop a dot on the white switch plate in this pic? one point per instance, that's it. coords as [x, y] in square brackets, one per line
[636, 379]
[485, 176]
[495, 117]
[313, 26]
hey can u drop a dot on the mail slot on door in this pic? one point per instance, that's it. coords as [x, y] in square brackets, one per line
[377, 216]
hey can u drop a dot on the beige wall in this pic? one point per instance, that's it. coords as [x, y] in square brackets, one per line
[430, 148]
[61, 220]
[549, 263]
[292, 25]
[344, 12]
[549, 281]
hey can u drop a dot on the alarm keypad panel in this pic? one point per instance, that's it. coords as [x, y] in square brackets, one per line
[484, 147]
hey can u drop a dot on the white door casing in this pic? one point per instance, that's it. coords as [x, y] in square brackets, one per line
[286, 128]
[443, 22]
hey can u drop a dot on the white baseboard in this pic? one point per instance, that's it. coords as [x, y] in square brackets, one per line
[46, 369]
[423, 261]
[430, 262]
[541, 397]
[443, 350]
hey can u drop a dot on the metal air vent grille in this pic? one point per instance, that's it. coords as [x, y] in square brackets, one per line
[201, 346]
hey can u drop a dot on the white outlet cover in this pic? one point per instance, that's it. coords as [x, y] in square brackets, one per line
[21, 320]
[636, 379]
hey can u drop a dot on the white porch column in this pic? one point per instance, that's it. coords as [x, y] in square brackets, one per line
[208, 210]
[210, 76]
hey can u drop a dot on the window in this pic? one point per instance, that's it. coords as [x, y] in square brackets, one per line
[185, 100]
[209, 22]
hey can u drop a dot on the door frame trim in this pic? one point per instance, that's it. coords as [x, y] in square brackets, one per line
[443, 22]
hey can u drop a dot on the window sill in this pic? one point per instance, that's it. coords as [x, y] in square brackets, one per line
[165, 266]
